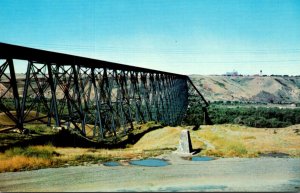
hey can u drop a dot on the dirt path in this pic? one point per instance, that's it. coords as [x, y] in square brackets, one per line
[207, 143]
[225, 174]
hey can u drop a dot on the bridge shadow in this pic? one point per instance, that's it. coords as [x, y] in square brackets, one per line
[197, 150]
[67, 138]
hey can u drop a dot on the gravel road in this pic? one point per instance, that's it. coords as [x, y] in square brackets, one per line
[224, 174]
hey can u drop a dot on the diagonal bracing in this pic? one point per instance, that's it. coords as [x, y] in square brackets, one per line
[98, 98]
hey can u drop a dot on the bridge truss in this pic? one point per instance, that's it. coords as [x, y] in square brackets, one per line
[97, 98]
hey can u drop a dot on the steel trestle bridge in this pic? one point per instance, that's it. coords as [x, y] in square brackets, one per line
[97, 98]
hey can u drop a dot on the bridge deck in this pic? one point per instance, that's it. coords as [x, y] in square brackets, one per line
[43, 56]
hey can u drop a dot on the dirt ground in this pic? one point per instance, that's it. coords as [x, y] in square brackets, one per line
[226, 173]
[223, 174]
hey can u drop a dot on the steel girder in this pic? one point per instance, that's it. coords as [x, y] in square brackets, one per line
[97, 98]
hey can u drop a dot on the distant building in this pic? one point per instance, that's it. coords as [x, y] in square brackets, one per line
[293, 105]
[233, 73]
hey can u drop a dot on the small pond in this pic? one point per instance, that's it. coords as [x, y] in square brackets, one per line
[149, 162]
[202, 158]
[112, 163]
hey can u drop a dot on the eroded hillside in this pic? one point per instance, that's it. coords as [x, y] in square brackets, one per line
[270, 89]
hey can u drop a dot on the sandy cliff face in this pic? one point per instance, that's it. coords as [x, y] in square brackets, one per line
[4, 92]
[249, 88]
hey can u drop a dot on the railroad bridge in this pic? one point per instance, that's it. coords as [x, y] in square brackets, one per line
[92, 96]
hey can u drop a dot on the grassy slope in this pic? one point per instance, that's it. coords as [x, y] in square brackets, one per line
[241, 141]
[224, 141]
[165, 138]
[228, 140]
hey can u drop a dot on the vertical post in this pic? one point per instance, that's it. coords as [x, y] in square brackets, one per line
[98, 114]
[145, 94]
[138, 88]
[13, 83]
[53, 93]
[3, 108]
[157, 95]
[119, 100]
[108, 93]
[127, 98]
[77, 92]
[167, 99]
[27, 80]
[153, 105]
[185, 98]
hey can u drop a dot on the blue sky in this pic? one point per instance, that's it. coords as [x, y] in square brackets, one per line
[187, 37]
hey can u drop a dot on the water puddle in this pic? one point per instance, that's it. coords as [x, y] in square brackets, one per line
[200, 188]
[202, 158]
[274, 154]
[150, 162]
[112, 163]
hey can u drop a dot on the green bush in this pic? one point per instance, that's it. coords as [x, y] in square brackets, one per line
[92, 158]
[250, 116]
[32, 151]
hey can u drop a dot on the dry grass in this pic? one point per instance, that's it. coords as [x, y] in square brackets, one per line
[167, 137]
[31, 157]
[20, 162]
[227, 140]
[151, 144]
[72, 153]
[40, 151]
[5, 120]
[241, 141]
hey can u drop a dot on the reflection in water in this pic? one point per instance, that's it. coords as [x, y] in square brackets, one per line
[111, 163]
[204, 158]
[149, 162]
[199, 188]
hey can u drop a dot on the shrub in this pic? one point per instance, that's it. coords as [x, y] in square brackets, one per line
[85, 157]
[249, 116]
[32, 151]
[213, 152]
[236, 149]
[91, 158]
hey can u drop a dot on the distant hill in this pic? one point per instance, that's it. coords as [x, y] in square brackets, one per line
[266, 89]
